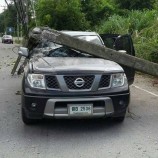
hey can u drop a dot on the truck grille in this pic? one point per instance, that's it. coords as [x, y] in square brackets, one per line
[105, 81]
[88, 81]
[51, 82]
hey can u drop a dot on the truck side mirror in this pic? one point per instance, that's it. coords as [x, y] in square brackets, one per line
[23, 52]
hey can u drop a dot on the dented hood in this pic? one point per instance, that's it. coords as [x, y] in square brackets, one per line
[56, 64]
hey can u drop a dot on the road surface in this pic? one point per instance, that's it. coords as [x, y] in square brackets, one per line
[136, 137]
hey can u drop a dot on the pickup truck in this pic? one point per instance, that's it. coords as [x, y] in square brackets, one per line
[65, 83]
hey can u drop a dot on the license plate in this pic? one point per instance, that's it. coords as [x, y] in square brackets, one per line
[80, 109]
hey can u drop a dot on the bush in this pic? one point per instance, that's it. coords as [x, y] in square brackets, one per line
[96, 10]
[148, 51]
[147, 43]
[143, 25]
[135, 20]
[61, 15]
[17, 41]
[135, 4]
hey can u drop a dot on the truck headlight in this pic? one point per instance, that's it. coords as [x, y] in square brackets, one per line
[36, 81]
[118, 80]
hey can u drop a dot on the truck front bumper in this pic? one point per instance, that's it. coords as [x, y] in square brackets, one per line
[38, 107]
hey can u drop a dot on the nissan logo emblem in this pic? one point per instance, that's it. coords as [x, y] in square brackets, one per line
[79, 82]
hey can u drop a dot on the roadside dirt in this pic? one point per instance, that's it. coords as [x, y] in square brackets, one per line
[146, 82]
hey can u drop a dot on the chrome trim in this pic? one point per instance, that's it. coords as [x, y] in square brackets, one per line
[96, 82]
[110, 84]
[101, 111]
[62, 83]
[79, 81]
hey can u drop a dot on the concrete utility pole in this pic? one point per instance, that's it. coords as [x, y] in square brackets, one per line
[93, 49]
[36, 36]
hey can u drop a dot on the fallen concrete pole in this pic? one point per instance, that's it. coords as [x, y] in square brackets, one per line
[98, 51]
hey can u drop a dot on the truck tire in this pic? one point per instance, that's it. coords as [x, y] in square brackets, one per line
[120, 118]
[27, 120]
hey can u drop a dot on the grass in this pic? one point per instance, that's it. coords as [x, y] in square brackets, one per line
[143, 25]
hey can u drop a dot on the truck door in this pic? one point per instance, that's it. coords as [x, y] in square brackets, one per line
[121, 42]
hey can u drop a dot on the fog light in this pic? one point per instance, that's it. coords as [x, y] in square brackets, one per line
[33, 105]
[122, 103]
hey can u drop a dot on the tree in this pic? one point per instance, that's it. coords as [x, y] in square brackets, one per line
[97, 10]
[136, 4]
[61, 14]
[8, 18]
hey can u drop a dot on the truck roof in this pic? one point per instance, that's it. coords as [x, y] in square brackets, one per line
[80, 33]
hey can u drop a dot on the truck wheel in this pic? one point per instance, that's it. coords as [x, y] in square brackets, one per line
[120, 118]
[27, 120]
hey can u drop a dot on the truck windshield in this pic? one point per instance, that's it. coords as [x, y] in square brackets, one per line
[51, 49]
[66, 52]
[93, 39]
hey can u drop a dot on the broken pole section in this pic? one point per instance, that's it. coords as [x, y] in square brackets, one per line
[16, 64]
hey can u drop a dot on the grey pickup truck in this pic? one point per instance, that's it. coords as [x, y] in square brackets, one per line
[65, 83]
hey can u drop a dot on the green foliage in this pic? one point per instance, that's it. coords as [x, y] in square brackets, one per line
[18, 41]
[73, 14]
[147, 50]
[143, 25]
[8, 18]
[2, 25]
[96, 10]
[61, 15]
[147, 42]
[135, 20]
[135, 4]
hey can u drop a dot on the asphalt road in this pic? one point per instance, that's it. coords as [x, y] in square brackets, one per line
[136, 137]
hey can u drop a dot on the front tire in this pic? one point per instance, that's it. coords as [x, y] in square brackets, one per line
[120, 118]
[27, 120]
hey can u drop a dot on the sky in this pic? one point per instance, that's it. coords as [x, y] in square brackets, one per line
[2, 3]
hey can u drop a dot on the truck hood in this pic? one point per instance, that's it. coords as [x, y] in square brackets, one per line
[7, 38]
[60, 64]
